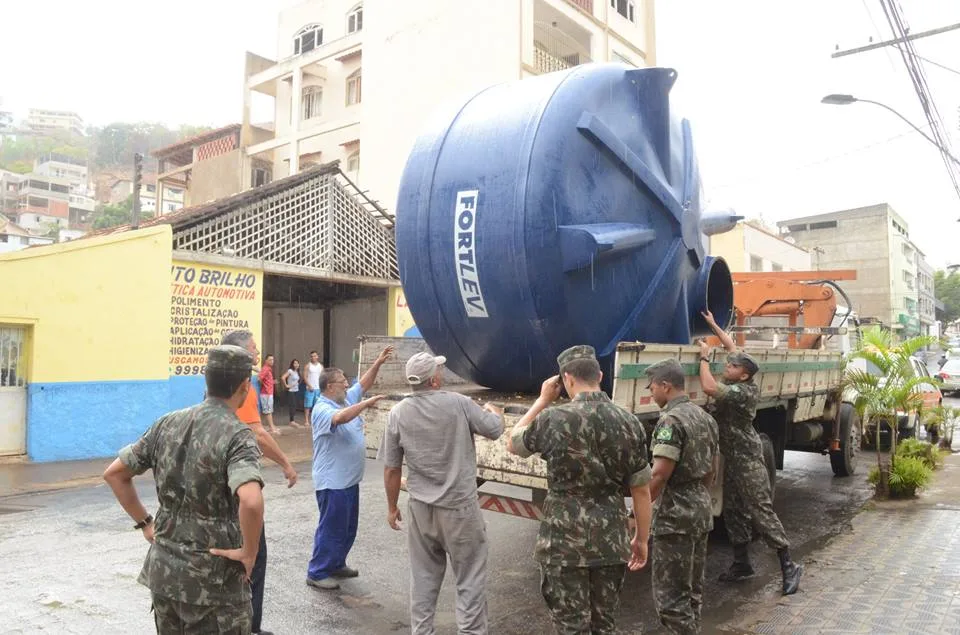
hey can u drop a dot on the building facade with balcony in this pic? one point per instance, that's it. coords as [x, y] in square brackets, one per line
[74, 171]
[357, 82]
[43, 203]
[882, 254]
[43, 120]
[10, 194]
[197, 170]
[926, 298]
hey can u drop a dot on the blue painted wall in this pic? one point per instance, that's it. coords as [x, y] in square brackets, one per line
[186, 391]
[82, 420]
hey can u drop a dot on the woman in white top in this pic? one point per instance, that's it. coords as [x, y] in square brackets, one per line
[291, 380]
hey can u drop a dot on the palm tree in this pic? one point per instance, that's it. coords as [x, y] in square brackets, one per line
[895, 388]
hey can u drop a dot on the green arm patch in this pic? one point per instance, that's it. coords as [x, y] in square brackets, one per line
[664, 433]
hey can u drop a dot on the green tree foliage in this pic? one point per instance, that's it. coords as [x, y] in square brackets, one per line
[110, 146]
[878, 397]
[907, 477]
[20, 167]
[947, 289]
[114, 215]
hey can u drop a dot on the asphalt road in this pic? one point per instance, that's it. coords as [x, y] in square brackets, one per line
[70, 561]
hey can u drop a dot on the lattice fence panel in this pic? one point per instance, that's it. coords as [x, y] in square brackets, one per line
[316, 224]
[361, 241]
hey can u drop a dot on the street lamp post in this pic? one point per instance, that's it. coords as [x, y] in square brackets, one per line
[845, 100]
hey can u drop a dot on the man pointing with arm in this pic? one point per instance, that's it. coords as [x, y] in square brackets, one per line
[339, 458]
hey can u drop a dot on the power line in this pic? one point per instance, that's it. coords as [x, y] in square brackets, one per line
[921, 87]
[876, 30]
[939, 65]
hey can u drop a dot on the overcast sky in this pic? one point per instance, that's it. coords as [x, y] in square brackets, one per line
[751, 75]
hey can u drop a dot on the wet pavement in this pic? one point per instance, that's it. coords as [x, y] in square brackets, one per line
[896, 571]
[70, 561]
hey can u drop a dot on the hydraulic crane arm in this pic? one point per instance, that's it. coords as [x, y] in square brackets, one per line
[795, 295]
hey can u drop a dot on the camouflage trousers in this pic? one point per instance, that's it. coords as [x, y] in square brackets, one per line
[583, 599]
[178, 618]
[747, 504]
[678, 569]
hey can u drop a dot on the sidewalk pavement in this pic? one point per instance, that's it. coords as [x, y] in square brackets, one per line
[897, 570]
[19, 476]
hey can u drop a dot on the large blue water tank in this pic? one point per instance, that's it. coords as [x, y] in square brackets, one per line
[558, 210]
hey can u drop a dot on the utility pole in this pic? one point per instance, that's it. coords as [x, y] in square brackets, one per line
[913, 36]
[818, 251]
[137, 177]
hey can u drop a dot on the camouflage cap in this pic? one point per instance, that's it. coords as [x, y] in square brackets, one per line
[229, 358]
[744, 360]
[574, 353]
[668, 370]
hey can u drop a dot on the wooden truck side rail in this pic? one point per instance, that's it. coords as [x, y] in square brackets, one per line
[807, 377]
[805, 380]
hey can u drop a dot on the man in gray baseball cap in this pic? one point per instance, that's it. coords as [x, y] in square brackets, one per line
[422, 367]
[433, 430]
[746, 486]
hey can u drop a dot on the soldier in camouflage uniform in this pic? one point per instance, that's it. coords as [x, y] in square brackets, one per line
[685, 452]
[594, 451]
[204, 541]
[746, 485]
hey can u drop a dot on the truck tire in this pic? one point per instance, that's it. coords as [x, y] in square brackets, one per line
[844, 460]
[769, 462]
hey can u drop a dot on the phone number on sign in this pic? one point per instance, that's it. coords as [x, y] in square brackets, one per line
[189, 370]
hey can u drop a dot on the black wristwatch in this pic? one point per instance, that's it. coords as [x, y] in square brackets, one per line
[143, 523]
[705, 359]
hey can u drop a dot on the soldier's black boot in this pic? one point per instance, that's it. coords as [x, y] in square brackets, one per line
[740, 569]
[791, 572]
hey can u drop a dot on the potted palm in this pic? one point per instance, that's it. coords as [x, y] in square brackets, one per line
[883, 387]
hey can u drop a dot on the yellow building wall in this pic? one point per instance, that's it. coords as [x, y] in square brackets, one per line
[399, 319]
[99, 308]
[729, 246]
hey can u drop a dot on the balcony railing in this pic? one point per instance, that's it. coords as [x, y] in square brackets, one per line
[554, 50]
[586, 5]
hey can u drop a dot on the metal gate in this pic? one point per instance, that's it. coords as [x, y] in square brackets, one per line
[13, 390]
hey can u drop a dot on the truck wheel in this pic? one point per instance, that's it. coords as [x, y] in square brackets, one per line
[769, 462]
[844, 460]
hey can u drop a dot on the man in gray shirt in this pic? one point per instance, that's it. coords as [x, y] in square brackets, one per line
[433, 429]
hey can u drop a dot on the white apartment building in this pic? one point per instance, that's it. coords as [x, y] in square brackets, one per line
[926, 298]
[72, 170]
[41, 119]
[172, 198]
[356, 82]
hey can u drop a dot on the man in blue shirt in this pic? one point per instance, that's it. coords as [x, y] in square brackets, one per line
[339, 457]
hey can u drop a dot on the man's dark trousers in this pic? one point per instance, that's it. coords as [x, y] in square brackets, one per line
[257, 577]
